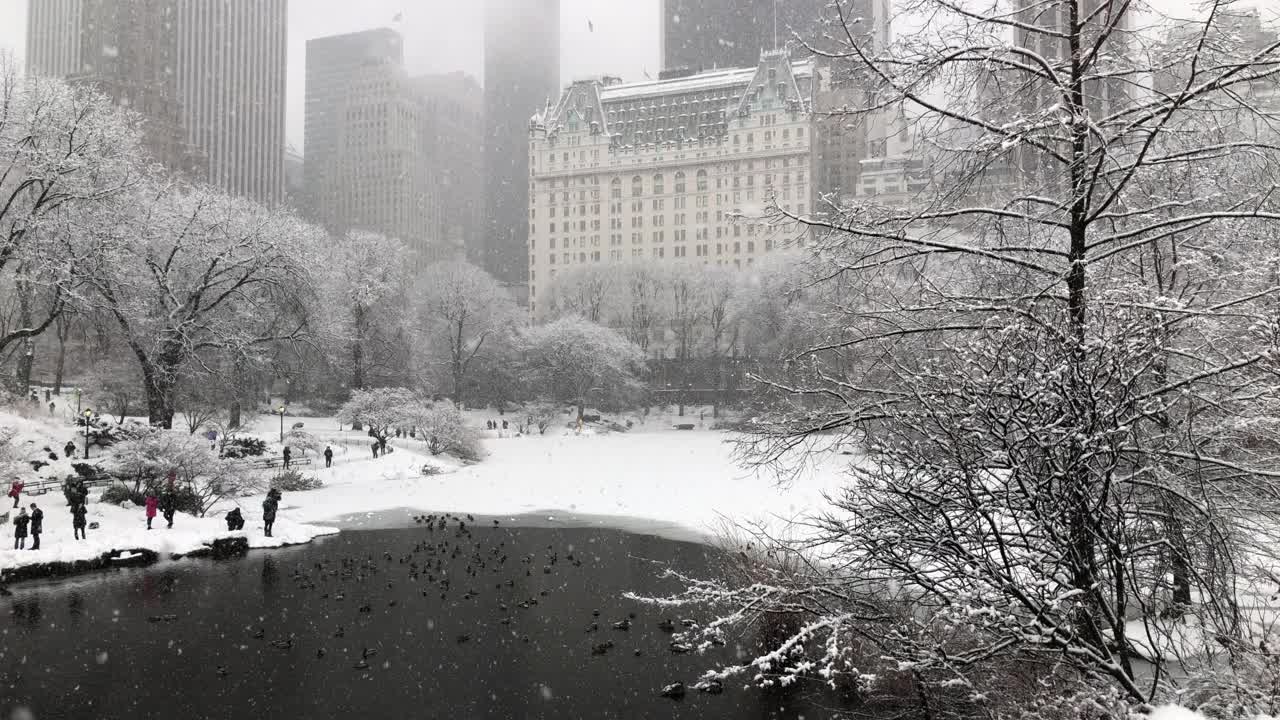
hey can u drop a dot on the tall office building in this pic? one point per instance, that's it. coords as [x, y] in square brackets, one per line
[231, 68]
[208, 76]
[521, 72]
[53, 37]
[333, 64]
[389, 153]
[707, 34]
[454, 105]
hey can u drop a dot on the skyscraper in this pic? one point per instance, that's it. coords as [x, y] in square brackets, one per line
[454, 107]
[521, 73]
[231, 69]
[706, 34]
[53, 37]
[333, 63]
[208, 75]
[389, 153]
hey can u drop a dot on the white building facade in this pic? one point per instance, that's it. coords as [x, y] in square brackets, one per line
[680, 170]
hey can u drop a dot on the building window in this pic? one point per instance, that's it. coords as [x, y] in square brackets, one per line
[637, 187]
[702, 180]
[658, 188]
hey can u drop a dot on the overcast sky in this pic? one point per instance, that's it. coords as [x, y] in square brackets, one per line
[444, 35]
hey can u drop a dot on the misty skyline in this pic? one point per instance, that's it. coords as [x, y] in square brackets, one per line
[597, 37]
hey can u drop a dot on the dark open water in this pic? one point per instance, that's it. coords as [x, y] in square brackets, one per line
[178, 640]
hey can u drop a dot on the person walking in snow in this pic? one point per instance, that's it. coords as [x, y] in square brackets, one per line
[269, 507]
[20, 529]
[375, 453]
[328, 456]
[37, 525]
[78, 523]
[235, 520]
[15, 491]
[287, 454]
[169, 506]
[152, 502]
[69, 450]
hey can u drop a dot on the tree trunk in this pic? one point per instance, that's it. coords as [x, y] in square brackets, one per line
[159, 383]
[59, 364]
[233, 415]
[25, 360]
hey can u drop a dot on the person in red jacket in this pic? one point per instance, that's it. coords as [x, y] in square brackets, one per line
[15, 490]
[152, 503]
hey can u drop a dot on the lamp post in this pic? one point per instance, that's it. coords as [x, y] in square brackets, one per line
[87, 414]
[281, 411]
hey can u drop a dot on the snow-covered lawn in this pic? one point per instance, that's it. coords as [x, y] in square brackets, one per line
[654, 478]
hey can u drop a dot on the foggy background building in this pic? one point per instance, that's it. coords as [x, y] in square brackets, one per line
[521, 72]
[705, 34]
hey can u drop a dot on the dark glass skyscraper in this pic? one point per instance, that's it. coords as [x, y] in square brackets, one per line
[521, 73]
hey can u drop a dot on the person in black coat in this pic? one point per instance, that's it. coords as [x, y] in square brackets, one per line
[78, 512]
[20, 529]
[287, 454]
[37, 525]
[69, 449]
[169, 506]
[328, 456]
[235, 520]
[269, 507]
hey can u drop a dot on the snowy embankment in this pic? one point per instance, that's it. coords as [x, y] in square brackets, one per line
[684, 484]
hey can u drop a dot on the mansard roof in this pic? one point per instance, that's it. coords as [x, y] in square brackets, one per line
[686, 108]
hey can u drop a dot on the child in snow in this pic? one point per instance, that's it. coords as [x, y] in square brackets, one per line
[152, 503]
[78, 512]
[20, 529]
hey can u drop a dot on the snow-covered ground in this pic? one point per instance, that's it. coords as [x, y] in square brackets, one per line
[654, 478]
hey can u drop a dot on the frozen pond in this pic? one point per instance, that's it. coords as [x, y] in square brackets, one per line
[342, 628]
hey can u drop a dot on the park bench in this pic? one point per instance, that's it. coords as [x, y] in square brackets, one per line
[272, 463]
[40, 487]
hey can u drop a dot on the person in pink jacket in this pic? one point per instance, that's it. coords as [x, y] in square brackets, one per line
[152, 503]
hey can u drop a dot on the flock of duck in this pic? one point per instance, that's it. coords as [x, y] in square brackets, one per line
[433, 563]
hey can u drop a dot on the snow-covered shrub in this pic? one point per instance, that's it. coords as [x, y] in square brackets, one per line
[202, 477]
[243, 447]
[428, 470]
[444, 430]
[292, 480]
[118, 494]
[539, 415]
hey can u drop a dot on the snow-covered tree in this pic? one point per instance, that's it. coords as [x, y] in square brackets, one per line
[576, 361]
[62, 151]
[381, 410]
[1057, 349]
[186, 270]
[586, 291]
[463, 312]
[362, 296]
[444, 430]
